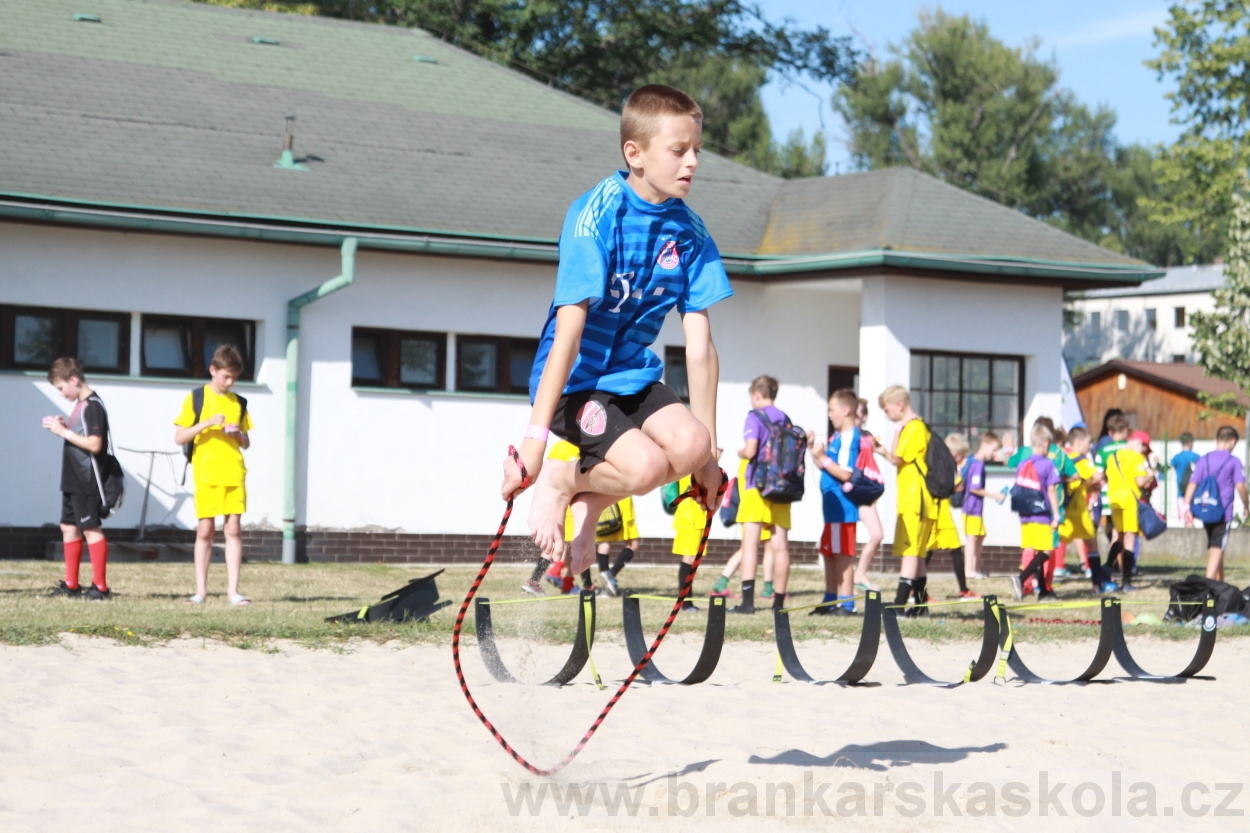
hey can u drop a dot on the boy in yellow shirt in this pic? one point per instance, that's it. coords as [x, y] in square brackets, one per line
[917, 510]
[945, 537]
[1078, 524]
[1128, 472]
[219, 433]
[688, 525]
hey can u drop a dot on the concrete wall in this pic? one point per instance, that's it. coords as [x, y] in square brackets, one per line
[429, 463]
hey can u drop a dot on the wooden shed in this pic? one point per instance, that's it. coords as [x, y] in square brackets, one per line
[1161, 399]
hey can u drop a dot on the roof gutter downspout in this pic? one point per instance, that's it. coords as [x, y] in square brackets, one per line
[293, 308]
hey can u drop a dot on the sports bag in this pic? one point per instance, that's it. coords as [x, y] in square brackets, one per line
[940, 477]
[1196, 588]
[1207, 505]
[866, 482]
[779, 465]
[110, 479]
[1150, 522]
[1027, 497]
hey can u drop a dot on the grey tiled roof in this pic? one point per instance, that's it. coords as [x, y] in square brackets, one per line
[1178, 280]
[904, 210]
[171, 105]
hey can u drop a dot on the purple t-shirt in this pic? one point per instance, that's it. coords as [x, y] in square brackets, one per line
[974, 478]
[1046, 477]
[1227, 474]
[754, 429]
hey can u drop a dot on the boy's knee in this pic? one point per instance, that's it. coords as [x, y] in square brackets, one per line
[645, 471]
[691, 444]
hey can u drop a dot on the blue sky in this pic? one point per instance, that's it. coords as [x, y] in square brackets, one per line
[1098, 45]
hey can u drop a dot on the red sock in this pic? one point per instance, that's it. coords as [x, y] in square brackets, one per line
[73, 557]
[568, 584]
[556, 568]
[99, 552]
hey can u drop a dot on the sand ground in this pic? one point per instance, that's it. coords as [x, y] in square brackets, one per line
[199, 736]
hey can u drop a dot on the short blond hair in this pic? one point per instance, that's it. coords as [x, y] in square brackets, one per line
[1041, 435]
[640, 117]
[958, 444]
[894, 394]
[64, 369]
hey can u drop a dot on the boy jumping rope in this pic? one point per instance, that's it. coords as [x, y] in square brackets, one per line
[630, 251]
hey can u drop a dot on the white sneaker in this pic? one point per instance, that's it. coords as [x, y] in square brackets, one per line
[609, 582]
[1017, 589]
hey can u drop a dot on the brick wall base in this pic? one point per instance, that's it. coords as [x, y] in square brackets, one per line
[408, 548]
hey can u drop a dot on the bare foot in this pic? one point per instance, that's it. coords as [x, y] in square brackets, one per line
[586, 508]
[552, 494]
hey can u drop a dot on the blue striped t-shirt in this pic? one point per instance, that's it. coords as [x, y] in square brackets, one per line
[633, 261]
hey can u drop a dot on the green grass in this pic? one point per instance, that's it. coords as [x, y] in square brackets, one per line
[291, 603]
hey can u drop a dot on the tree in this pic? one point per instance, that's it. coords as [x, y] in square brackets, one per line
[603, 50]
[959, 104]
[1206, 50]
[1222, 337]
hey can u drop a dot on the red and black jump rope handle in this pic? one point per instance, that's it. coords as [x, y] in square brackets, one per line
[695, 492]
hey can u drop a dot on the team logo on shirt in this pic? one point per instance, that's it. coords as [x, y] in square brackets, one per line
[592, 419]
[669, 256]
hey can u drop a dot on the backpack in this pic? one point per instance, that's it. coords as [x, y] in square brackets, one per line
[1207, 505]
[1195, 588]
[779, 465]
[729, 504]
[669, 493]
[110, 479]
[197, 404]
[1149, 521]
[610, 521]
[867, 485]
[940, 477]
[957, 499]
[1027, 497]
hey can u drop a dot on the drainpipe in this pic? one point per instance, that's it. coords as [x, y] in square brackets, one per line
[293, 308]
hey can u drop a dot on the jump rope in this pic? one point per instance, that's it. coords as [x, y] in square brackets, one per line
[695, 492]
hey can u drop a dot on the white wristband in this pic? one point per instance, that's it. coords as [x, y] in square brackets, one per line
[537, 432]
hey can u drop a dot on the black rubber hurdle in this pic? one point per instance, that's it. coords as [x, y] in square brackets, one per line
[1102, 654]
[865, 654]
[1202, 655]
[709, 655]
[573, 666]
[977, 669]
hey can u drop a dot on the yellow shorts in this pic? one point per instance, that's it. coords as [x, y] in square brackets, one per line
[1124, 518]
[911, 536]
[627, 532]
[752, 508]
[686, 541]
[564, 450]
[974, 525]
[1077, 526]
[215, 501]
[1038, 537]
[945, 538]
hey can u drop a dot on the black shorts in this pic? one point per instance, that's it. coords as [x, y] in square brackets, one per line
[82, 511]
[594, 420]
[1217, 535]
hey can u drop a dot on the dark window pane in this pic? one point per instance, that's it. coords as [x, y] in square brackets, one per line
[1006, 376]
[99, 343]
[367, 358]
[217, 334]
[920, 404]
[36, 339]
[1005, 410]
[946, 408]
[675, 377]
[520, 363]
[479, 364]
[945, 373]
[166, 346]
[976, 374]
[418, 361]
[919, 373]
[977, 409]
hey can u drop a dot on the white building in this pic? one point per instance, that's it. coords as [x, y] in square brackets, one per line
[1147, 323]
[388, 297]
